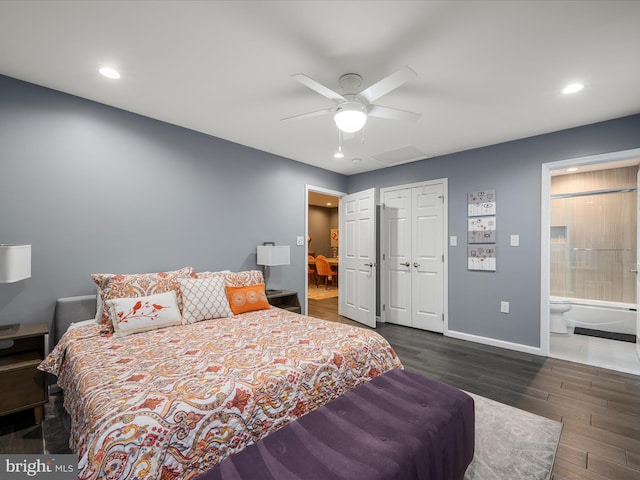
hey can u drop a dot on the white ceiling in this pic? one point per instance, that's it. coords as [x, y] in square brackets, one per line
[488, 71]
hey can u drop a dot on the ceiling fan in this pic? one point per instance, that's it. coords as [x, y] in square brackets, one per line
[352, 108]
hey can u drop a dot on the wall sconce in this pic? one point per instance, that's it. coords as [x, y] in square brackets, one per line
[15, 262]
[270, 255]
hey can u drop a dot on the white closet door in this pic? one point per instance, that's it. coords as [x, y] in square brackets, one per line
[398, 262]
[413, 240]
[428, 257]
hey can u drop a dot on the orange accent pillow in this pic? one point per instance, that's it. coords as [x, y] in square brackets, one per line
[247, 298]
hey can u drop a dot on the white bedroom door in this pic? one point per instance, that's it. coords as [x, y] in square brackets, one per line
[357, 264]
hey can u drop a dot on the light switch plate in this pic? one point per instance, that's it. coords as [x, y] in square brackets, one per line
[515, 240]
[453, 241]
[300, 241]
[504, 307]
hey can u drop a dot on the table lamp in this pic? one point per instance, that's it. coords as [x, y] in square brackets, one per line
[270, 255]
[15, 262]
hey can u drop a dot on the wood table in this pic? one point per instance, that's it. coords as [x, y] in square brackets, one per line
[332, 261]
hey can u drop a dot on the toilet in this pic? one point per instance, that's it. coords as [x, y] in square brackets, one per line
[557, 323]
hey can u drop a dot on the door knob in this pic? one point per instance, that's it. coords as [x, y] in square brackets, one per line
[368, 264]
[416, 264]
[405, 264]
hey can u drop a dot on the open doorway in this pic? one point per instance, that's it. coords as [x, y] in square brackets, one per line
[322, 227]
[589, 246]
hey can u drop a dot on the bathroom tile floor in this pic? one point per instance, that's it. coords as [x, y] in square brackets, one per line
[600, 352]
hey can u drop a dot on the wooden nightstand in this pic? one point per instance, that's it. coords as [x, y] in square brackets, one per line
[22, 348]
[284, 299]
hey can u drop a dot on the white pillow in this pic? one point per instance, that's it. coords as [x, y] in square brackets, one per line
[204, 299]
[141, 314]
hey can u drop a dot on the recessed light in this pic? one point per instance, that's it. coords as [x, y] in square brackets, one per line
[338, 155]
[572, 88]
[356, 160]
[109, 73]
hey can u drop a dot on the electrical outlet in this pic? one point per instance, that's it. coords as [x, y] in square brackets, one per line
[504, 307]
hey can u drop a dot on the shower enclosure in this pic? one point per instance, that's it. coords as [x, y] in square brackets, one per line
[593, 246]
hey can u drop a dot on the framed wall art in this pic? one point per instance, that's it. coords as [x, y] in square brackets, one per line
[481, 203]
[481, 230]
[481, 257]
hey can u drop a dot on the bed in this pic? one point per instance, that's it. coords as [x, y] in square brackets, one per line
[175, 401]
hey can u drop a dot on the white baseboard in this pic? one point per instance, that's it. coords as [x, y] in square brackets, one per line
[518, 347]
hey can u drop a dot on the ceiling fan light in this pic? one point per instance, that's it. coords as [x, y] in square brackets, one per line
[350, 116]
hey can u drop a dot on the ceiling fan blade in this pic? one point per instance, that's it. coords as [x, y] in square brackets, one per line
[317, 113]
[387, 84]
[393, 113]
[316, 86]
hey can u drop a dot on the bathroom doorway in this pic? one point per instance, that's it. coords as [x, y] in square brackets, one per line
[591, 209]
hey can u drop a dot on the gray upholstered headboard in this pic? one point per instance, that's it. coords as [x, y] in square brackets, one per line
[72, 309]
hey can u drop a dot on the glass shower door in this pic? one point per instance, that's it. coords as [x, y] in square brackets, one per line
[593, 246]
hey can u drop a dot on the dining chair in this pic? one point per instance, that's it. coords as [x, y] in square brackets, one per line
[323, 269]
[311, 269]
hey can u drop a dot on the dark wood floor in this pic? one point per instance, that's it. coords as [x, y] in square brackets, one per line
[600, 408]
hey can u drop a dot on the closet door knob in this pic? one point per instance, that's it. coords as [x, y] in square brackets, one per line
[405, 264]
[416, 264]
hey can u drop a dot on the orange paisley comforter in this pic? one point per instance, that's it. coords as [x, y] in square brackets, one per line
[171, 403]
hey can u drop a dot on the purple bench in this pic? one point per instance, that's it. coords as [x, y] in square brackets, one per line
[400, 426]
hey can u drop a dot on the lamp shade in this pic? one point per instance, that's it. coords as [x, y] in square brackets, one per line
[350, 116]
[15, 262]
[271, 255]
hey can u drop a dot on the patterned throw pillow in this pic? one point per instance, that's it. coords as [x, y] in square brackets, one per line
[238, 279]
[247, 298]
[208, 274]
[137, 285]
[141, 314]
[203, 299]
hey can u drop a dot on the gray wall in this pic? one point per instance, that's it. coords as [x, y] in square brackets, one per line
[514, 170]
[97, 189]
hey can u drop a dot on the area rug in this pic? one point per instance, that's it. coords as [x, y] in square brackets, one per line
[321, 293]
[511, 443]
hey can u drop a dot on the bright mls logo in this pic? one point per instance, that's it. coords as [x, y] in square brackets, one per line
[54, 467]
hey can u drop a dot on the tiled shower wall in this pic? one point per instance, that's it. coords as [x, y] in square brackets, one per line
[593, 237]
